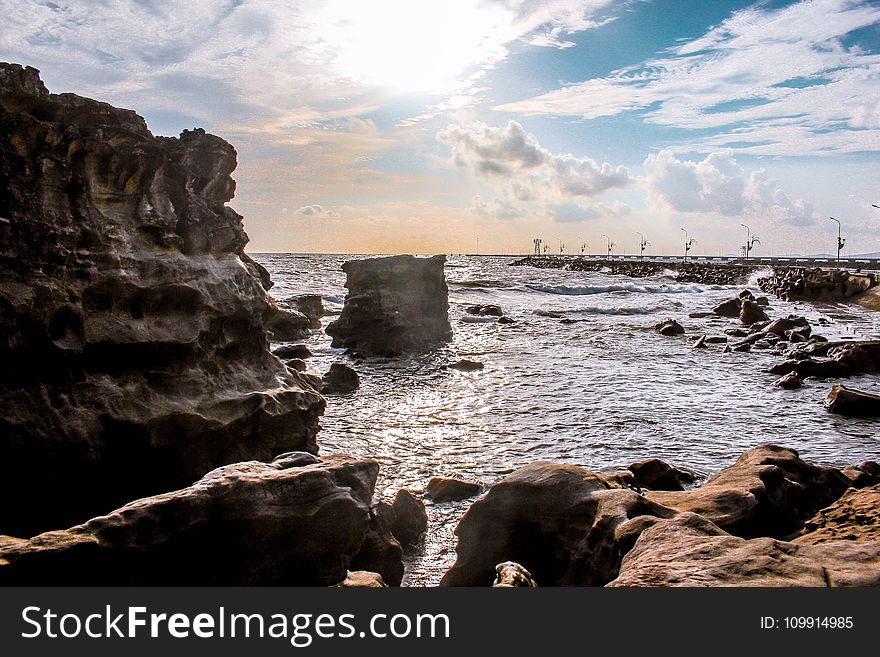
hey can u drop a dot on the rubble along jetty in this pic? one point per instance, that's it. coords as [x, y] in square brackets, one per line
[705, 273]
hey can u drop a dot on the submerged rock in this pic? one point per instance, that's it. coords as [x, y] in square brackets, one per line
[848, 401]
[465, 365]
[789, 382]
[394, 305]
[447, 489]
[298, 520]
[488, 309]
[340, 379]
[133, 329]
[669, 327]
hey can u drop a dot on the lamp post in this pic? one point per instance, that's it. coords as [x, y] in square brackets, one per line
[840, 240]
[748, 246]
[583, 248]
[609, 243]
[642, 244]
[688, 242]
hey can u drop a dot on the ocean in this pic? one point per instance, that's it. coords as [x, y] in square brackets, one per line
[581, 377]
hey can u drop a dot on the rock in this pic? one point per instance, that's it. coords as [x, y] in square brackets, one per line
[655, 474]
[506, 320]
[769, 491]
[762, 344]
[298, 520]
[447, 489]
[746, 294]
[362, 579]
[742, 346]
[133, 330]
[782, 326]
[700, 343]
[789, 382]
[699, 315]
[340, 379]
[820, 368]
[751, 313]
[511, 574]
[729, 308]
[863, 474]
[688, 550]
[736, 332]
[394, 305]
[410, 520]
[478, 319]
[848, 401]
[488, 309]
[669, 327]
[311, 306]
[284, 325]
[296, 364]
[380, 552]
[716, 339]
[293, 351]
[552, 314]
[762, 301]
[562, 523]
[854, 517]
[466, 365]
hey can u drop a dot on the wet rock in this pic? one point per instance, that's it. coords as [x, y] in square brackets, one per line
[553, 314]
[736, 332]
[506, 320]
[447, 489]
[488, 309]
[689, 550]
[700, 343]
[669, 327]
[477, 319]
[562, 523]
[511, 574]
[394, 305]
[762, 301]
[296, 364]
[854, 517]
[134, 330]
[783, 325]
[742, 346]
[863, 474]
[716, 339]
[820, 368]
[746, 294]
[311, 306]
[729, 308]
[362, 579]
[699, 315]
[380, 552]
[340, 379]
[789, 382]
[848, 401]
[284, 325]
[465, 365]
[769, 491]
[751, 313]
[410, 520]
[298, 520]
[655, 474]
[293, 351]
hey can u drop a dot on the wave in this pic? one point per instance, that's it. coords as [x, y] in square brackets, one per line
[573, 315]
[480, 282]
[662, 288]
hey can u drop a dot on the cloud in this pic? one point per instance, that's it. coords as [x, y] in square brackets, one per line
[497, 209]
[317, 211]
[522, 170]
[719, 185]
[766, 81]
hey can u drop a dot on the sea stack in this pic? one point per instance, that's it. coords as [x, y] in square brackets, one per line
[134, 356]
[394, 305]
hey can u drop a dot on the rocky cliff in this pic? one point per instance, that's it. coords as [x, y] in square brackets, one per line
[134, 355]
[394, 305]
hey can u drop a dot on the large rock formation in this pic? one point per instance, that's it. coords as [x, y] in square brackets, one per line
[134, 356]
[394, 305]
[299, 520]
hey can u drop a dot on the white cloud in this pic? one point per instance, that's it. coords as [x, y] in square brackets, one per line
[513, 162]
[317, 211]
[766, 81]
[719, 185]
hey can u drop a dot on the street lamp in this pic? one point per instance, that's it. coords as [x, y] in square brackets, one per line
[840, 240]
[642, 244]
[688, 243]
[747, 240]
[609, 243]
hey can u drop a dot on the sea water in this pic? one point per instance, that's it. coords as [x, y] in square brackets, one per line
[581, 377]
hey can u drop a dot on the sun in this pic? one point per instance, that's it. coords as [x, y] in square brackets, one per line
[411, 46]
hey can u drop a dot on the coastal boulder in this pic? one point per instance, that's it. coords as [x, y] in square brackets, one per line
[340, 379]
[563, 524]
[134, 355]
[394, 305]
[655, 474]
[689, 550]
[410, 520]
[848, 401]
[311, 306]
[487, 309]
[298, 520]
[729, 308]
[448, 489]
[789, 382]
[751, 313]
[669, 327]
[769, 491]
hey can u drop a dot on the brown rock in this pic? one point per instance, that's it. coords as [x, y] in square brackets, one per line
[669, 327]
[854, 517]
[729, 308]
[410, 519]
[848, 401]
[340, 379]
[789, 382]
[362, 579]
[655, 474]
[446, 489]
[510, 574]
[751, 313]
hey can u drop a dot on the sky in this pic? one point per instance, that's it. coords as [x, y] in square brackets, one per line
[430, 126]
